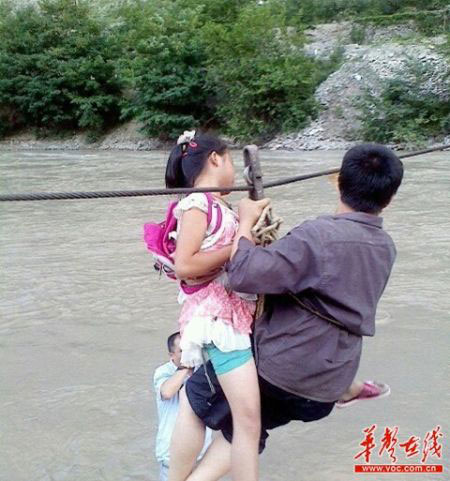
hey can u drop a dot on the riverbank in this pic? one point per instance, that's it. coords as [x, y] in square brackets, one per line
[79, 143]
[128, 138]
[124, 137]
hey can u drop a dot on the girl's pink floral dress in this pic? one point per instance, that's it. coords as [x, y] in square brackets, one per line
[214, 314]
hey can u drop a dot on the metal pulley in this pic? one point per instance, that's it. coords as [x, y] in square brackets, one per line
[253, 172]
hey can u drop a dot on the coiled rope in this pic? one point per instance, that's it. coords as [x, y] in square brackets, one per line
[153, 192]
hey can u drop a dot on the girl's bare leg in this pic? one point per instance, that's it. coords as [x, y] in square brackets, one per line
[187, 441]
[216, 462]
[241, 389]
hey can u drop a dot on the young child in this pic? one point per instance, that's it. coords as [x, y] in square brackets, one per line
[213, 318]
[168, 379]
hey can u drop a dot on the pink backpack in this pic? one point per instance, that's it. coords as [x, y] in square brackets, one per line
[161, 241]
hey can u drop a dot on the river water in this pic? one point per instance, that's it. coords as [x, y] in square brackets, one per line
[84, 321]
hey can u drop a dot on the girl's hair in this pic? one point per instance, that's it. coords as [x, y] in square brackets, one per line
[187, 160]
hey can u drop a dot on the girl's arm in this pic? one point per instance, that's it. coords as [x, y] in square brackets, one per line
[189, 261]
[244, 230]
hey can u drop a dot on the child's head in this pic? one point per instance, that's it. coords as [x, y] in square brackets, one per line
[369, 177]
[173, 346]
[204, 155]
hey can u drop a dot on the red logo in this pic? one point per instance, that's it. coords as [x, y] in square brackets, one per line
[410, 448]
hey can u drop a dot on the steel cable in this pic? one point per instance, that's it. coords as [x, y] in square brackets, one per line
[153, 192]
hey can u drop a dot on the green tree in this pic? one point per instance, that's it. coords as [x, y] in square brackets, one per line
[166, 68]
[262, 80]
[234, 65]
[57, 68]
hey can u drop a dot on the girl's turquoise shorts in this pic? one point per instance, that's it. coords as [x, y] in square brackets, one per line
[224, 362]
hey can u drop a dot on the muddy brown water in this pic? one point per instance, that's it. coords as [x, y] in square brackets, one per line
[84, 321]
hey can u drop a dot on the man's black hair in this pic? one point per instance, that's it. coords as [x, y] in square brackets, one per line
[171, 341]
[370, 175]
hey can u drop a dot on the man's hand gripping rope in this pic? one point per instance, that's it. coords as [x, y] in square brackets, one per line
[266, 229]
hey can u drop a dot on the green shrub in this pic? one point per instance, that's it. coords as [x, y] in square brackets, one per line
[316, 11]
[358, 33]
[217, 11]
[404, 112]
[56, 67]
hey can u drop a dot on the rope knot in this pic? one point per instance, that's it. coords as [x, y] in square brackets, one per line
[266, 229]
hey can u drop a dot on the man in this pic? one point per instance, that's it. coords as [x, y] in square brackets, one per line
[322, 282]
[168, 380]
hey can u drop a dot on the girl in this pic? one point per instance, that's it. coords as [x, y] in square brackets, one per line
[213, 318]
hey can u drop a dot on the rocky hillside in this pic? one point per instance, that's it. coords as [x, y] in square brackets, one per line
[382, 54]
